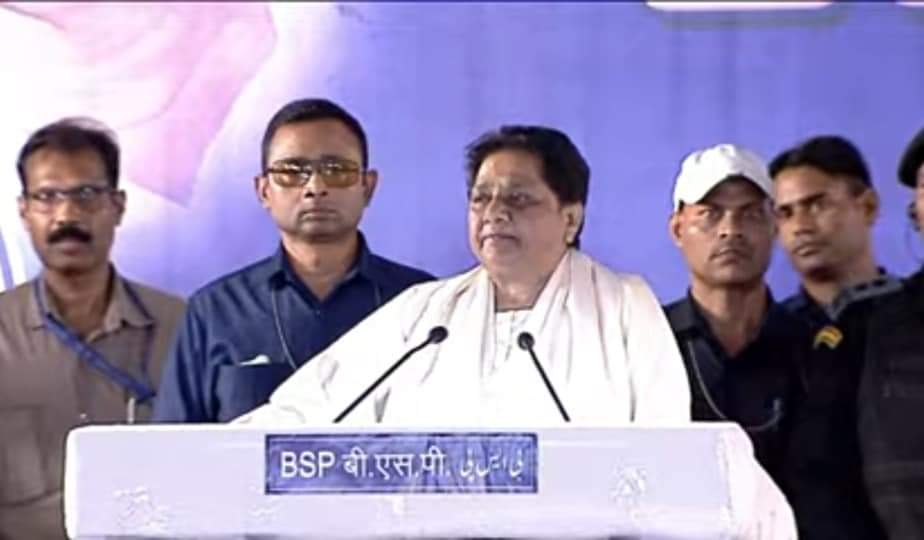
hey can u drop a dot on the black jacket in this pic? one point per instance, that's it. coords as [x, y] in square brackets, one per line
[891, 405]
[825, 465]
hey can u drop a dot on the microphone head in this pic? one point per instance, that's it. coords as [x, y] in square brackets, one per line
[438, 334]
[525, 341]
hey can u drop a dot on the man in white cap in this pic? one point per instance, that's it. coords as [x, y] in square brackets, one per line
[741, 349]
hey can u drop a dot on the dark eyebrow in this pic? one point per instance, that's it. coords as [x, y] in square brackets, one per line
[332, 157]
[289, 161]
[705, 205]
[515, 184]
[804, 201]
[713, 203]
[298, 160]
[752, 204]
[43, 183]
[702, 205]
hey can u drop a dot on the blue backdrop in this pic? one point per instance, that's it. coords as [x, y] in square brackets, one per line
[636, 87]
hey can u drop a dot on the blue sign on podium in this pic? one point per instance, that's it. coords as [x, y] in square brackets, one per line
[331, 463]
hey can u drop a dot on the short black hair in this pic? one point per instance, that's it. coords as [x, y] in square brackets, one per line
[911, 160]
[831, 154]
[564, 169]
[307, 110]
[71, 135]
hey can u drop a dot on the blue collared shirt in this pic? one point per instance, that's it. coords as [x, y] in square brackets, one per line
[228, 356]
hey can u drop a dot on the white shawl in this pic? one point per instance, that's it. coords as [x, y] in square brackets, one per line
[601, 336]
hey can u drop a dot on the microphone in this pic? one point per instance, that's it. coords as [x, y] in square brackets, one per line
[526, 342]
[437, 335]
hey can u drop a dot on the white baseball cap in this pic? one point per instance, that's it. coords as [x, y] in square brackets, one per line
[703, 170]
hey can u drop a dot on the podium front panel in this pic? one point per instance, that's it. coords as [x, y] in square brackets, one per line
[198, 481]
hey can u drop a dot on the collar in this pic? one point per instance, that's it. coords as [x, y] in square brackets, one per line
[881, 285]
[687, 317]
[124, 306]
[365, 265]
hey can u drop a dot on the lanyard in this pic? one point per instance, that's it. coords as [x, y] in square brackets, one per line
[773, 419]
[140, 391]
[277, 320]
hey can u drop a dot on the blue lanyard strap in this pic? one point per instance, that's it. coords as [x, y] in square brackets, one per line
[139, 390]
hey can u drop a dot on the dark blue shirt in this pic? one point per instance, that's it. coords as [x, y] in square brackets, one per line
[230, 353]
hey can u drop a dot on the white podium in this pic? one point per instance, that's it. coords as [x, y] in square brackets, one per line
[195, 481]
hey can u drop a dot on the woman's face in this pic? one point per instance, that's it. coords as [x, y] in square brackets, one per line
[517, 226]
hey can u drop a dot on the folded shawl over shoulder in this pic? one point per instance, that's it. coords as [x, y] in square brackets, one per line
[601, 336]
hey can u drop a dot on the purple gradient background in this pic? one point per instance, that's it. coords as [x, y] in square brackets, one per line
[636, 88]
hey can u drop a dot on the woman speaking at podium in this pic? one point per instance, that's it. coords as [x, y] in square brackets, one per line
[538, 334]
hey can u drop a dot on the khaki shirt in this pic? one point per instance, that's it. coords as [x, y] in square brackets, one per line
[46, 390]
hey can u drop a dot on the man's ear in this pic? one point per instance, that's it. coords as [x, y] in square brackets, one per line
[119, 199]
[261, 189]
[370, 181]
[23, 205]
[675, 227]
[869, 202]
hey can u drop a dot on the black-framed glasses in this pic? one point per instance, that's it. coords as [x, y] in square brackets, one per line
[333, 173]
[88, 197]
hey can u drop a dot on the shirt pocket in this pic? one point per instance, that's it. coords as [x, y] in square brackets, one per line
[240, 389]
[22, 477]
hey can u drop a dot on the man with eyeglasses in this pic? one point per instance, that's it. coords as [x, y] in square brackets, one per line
[79, 344]
[248, 331]
[741, 349]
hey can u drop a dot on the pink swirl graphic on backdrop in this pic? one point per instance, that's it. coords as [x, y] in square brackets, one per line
[163, 75]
